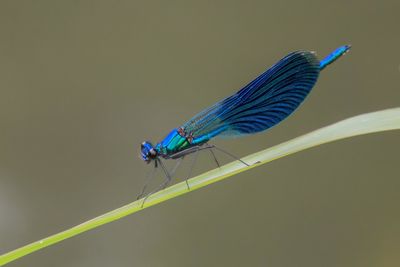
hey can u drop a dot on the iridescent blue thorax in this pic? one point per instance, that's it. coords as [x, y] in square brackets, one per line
[172, 143]
[178, 140]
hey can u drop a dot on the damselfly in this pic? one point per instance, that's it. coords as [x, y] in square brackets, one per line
[261, 104]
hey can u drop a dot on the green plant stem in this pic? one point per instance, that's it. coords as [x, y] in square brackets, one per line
[363, 124]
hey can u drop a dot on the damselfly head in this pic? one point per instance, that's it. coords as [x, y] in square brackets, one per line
[147, 151]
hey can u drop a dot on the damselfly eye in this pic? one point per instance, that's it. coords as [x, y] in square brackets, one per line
[147, 151]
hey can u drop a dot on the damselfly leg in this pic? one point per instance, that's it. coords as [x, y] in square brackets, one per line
[225, 152]
[214, 157]
[149, 177]
[168, 178]
[196, 154]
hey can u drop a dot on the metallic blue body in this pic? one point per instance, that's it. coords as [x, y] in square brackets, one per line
[261, 104]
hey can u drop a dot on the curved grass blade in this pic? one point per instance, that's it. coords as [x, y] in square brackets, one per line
[363, 124]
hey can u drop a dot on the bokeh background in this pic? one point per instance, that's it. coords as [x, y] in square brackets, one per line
[83, 83]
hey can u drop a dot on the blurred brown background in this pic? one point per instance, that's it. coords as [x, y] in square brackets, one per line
[84, 82]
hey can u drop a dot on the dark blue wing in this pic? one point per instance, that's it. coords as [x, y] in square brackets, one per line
[263, 103]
